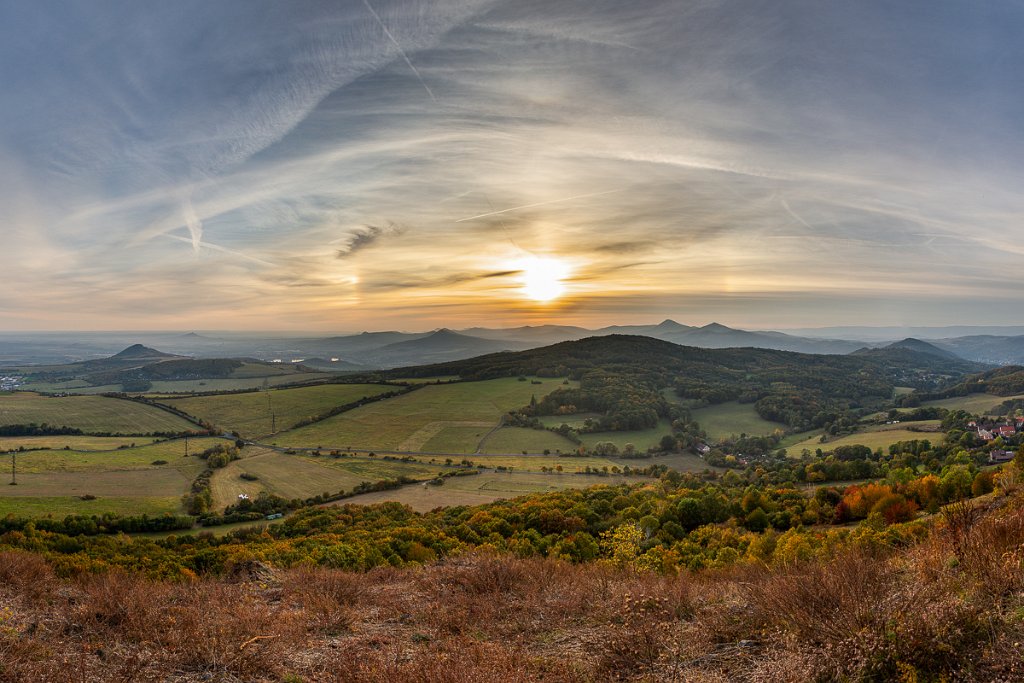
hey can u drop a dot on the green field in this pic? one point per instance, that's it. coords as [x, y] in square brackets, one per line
[411, 421]
[124, 481]
[791, 440]
[732, 419]
[976, 404]
[880, 436]
[483, 488]
[575, 420]
[519, 439]
[59, 507]
[641, 439]
[89, 413]
[250, 413]
[118, 460]
[78, 443]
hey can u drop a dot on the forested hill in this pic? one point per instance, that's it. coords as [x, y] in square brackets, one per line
[664, 362]
[1005, 381]
[621, 376]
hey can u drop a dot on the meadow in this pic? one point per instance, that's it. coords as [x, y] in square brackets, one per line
[140, 457]
[642, 439]
[732, 419]
[124, 481]
[89, 413]
[518, 439]
[59, 507]
[74, 442]
[437, 414]
[250, 414]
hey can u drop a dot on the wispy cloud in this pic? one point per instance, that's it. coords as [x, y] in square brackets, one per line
[687, 158]
[366, 237]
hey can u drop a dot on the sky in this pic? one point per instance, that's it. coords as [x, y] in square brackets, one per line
[386, 164]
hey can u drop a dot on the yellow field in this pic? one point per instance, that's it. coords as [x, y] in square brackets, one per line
[881, 436]
[483, 488]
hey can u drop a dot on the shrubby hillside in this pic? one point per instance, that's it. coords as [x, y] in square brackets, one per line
[932, 601]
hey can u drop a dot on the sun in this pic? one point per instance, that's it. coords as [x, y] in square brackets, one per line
[543, 278]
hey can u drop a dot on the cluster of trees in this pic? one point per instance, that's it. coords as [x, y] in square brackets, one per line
[93, 525]
[623, 402]
[219, 455]
[33, 429]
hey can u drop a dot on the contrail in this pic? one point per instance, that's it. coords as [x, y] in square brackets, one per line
[216, 247]
[400, 50]
[793, 213]
[530, 206]
[195, 226]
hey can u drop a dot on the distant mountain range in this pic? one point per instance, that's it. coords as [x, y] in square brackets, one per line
[388, 349]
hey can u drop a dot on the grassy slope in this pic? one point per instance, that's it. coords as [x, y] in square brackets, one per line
[979, 404]
[880, 436]
[88, 413]
[250, 414]
[409, 422]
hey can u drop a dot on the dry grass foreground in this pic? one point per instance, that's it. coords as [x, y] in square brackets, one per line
[947, 609]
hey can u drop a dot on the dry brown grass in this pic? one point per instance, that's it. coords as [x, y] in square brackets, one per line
[951, 608]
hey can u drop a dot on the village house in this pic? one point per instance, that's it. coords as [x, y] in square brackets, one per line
[998, 456]
[990, 430]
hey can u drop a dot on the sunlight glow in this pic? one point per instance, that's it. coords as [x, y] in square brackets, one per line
[543, 278]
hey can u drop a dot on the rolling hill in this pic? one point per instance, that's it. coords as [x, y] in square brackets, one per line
[621, 377]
